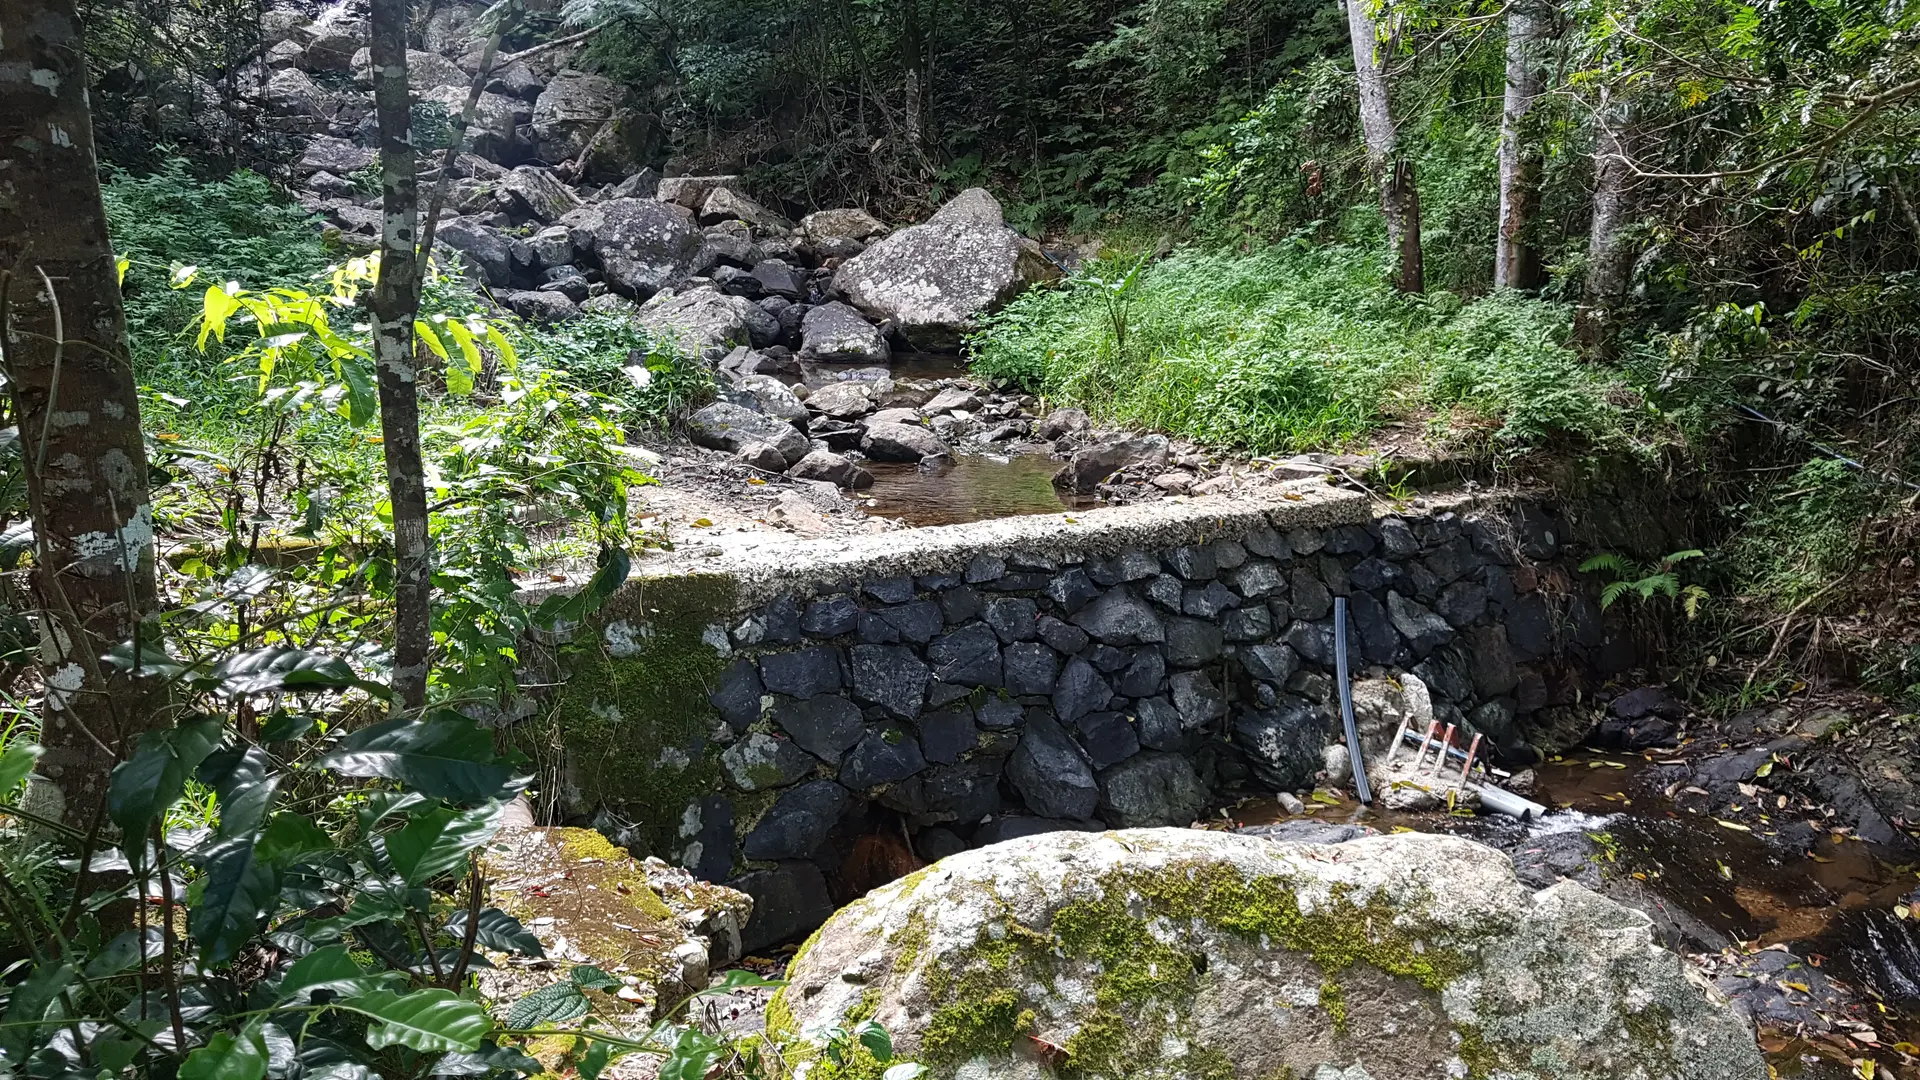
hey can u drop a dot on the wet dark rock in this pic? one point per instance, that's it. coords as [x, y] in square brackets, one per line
[1283, 744]
[1311, 600]
[776, 278]
[874, 630]
[1397, 538]
[1530, 627]
[1642, 733]
[1120, 618]
[1143, 674]
[797, 822]
[1072, 590]
[737, 695]
[1089, 466]
[961, 604]
[1151, 789]
[1208, 602]
[890, 676]
[947, 734]
[1257, 578]
[1051, 773]
[963, 792]
[1013, 618]
[788, 901]
[1197, 699]
[918, 621]
[885, 755]
[1079, 690]
[1107, 737]
[1423, 630]
[1374, 573]
[1377, 640]
[998, 714]
[830, 617]
[1270, 663]
[967, 656]
[1062, 637]
[1462, 602]
[895, 590]
[1312, 641]
[802, 674]
[1105, 658]
[1159, 726]
[902, 442]
[1192, 642]
[1031, 668]
[1349, 540]
[1167, 591]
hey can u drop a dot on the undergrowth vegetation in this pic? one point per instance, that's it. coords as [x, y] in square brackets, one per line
[1294, 348]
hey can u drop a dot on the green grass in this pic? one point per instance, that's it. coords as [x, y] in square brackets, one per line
[1287, 350]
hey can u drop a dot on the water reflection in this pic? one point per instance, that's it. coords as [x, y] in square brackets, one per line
[976, 487]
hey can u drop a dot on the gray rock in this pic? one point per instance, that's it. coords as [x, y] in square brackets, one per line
[1209, 602]
[1051, 773]
[826, 726]
[1193, 562]
[643, 246]
[847, 224]
[1120, 618]
[885, 755]
[776, 278]
[1167, 591]
[1084, 471]
[832, 468]
[1247, 624]
[539, 195]
[918, 621]
[838, 333]
[1013, 618]
[797, 822]
[1079, 691]
[901, 442]
[1603, 1001]
[576, 109]
[1191, 642]
[1143, 674]
[692, 191]
[803, 673]
[889, 676]
[788, 901]
[483, 248]
[542, 306]
[1072, 589]
[1031, 668]
[1107, 737]
[1284, 745]
[965, 792]
[425, 70]
[1159, 726]
[1397, 538]
[762, 761]
[830, 617]
[769, 396]
[1377, 641]
[732, 242]
[998, 714]
[967, 656]
[983, 568]
[947, 734]
[1462, 602]
[950, 399]
[340, 157]
[1313, 642]
[552, 246]
[1424, 630]
[763, 456]
[1061, 422]
[1270, 663]
[935, 280]
[1060, 636]
[1257, 578]
[842, 400]
[1311, 600]
[726, 426]
[1197, 699]
[737, 695]
[1151, 789]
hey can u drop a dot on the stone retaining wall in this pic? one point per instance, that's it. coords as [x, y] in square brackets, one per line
[786, 721]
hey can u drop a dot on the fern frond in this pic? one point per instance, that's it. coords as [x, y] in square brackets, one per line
[1691, 598]
[1682, 556]
[1666, 584]
[1608, 561]
[1612, 592]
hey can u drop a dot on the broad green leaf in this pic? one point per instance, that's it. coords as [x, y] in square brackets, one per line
[463, 337]
[215, 307]
[228, 1057]
[436, 843]
[281, 668]
[487, 1060]
[289, 835]
[145, 785]
[508, 358]
[426, 1020]
[445, 756]
[876, 1040]
[588, 977]
[361, 403]
[16, 764]
[123, 952]
[28, 1005]
[120, 269]
[594, 1061]
[424, 330]
[459, 380]
[906, 1070]
[555, 1004]
[239, 889]
[498, 931]
[239, 777]
[693, 1054]
[740, 978]
[333, 969]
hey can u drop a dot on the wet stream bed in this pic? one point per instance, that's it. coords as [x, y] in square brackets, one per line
[1793, 922]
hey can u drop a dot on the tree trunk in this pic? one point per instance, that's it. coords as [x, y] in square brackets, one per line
[1516, 264]
[65, 344]
[1609, 260]
[396, 302]
[1399, 194]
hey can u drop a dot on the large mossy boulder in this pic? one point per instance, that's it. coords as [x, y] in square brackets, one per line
[1179, 953]
[933, 281]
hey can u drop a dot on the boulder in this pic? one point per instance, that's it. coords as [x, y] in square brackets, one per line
[1182, 952]
[838, 333]
[542, 305]
[728, 204]
[935, 280]
[726, 426]
[762, 761]
[517, 80]
[484, 248]
[337, 156]
[494, 131]
[797, 822]
[552, 246]
[842, 400]
[768, 395]
[334, 49]
[1051, 773]
[643, 246]
[789, 899]
[1152, 789]
[539, 195]
[1285, 744]
[901, 442]
[844, 224]
[692, 191]
[699, 320]
[832, 468]
[731, 242]
[1090, 465]
[425, 71]
[570, 112]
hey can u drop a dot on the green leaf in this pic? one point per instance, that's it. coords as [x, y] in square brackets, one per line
[239, 889]
[228, 1057]
[424, 331]
[498, 931]
[555, 1004]
[876, 1040]
[28, 1005]
[469, 351]
[435, 843]
[280, 668]
[361, 403]
[239, 778]
[288, 836]
[145, 785]
[332, 968]
[588, 977]
[445, 756]
[508, 358]
[906, 1070]
[594, 1061]
[740, 978]
[16, 764]
[426, 1020]
[693, 1054]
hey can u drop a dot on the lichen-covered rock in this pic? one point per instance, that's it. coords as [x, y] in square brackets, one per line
[936, 279]
[539, 194]
[643, 246]
[653, 926]
[702, 321]
[1181, 953]
[835, 332]
[726, 426]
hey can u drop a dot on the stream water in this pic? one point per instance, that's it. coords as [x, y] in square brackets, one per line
[1833, 906]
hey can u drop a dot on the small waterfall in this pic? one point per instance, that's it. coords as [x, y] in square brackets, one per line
[1887, 953]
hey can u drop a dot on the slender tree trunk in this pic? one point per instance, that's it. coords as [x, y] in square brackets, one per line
[396, 301]
[65, 345]
[1399, 192]
[1609, 259]
[1516, 264]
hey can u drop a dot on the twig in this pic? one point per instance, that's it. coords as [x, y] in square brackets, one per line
[53, 382]
[476, 887]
